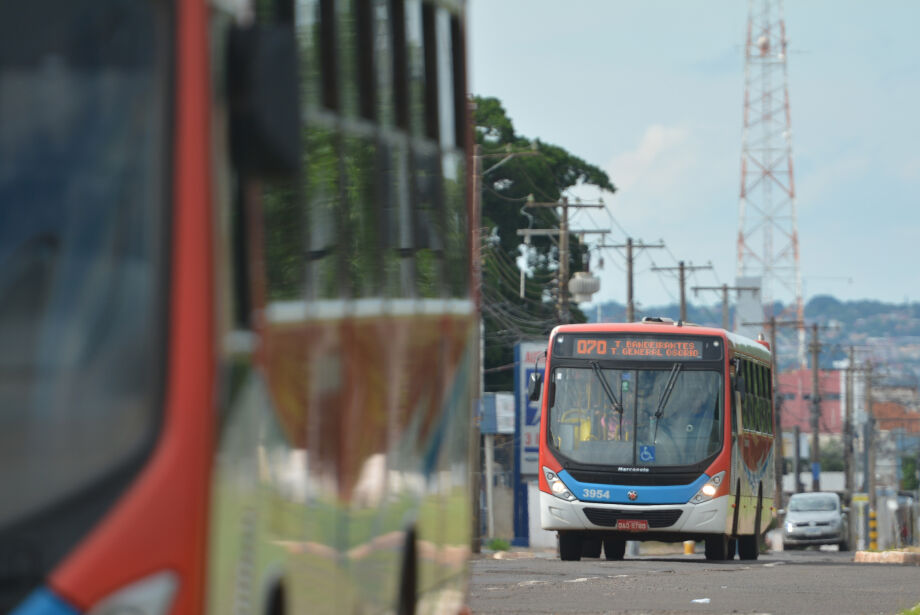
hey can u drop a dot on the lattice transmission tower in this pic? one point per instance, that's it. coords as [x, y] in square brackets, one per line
[768, 243]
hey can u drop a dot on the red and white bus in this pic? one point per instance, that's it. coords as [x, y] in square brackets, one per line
[238, 341]
[655, 431]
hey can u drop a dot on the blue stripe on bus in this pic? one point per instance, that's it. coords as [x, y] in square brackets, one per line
[645, 494]
[43, 602]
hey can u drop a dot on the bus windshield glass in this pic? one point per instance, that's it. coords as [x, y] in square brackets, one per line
[667, 414]
[84, 145]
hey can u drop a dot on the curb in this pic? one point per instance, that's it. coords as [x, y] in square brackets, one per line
[887, 557]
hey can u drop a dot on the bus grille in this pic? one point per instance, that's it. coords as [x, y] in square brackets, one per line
[655, 518]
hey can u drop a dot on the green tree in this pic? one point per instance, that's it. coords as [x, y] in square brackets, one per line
[909, 477]
[832, 456]
[515, 169]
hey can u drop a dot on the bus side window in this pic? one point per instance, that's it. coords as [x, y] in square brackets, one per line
[736, 409]
[770, 384]
[737, 405]
[764, 401]
[746, 398]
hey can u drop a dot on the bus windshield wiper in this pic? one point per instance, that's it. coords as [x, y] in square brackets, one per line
[664, 397]
[610, 395]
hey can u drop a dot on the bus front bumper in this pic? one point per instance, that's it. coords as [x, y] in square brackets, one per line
[711, 517]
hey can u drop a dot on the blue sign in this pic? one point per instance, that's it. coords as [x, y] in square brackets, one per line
[526, 435]
[533, 407]
[647, 453]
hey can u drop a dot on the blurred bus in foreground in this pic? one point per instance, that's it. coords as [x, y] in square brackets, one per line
[655, 431]
[237, 336]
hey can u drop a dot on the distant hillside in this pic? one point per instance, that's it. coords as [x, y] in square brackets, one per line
[888, 333]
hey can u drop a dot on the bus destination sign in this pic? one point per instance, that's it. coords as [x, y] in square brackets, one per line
[634, 347]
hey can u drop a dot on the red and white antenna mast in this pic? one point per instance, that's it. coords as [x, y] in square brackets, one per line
[768, 242]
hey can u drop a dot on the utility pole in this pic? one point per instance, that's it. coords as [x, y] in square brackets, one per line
[796, 460]
[870, 440]
[682, 277]
[563, 299]
[475, 427]
[563, 232]
[724, 289]
[815, 411]
[870, 462]
[848, 429]
[848, 442]
[475, 431]
[630, 245]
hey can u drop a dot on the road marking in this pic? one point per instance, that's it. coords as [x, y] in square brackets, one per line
[580, 580]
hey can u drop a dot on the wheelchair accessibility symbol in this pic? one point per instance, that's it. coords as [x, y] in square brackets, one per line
[647, 453]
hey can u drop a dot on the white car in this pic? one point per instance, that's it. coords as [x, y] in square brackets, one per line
[815, 519]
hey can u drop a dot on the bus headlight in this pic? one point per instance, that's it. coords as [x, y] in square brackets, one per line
[708, 490]
[556, 486]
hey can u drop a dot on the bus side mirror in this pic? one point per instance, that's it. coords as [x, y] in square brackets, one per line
[534, 386]
[263, 94]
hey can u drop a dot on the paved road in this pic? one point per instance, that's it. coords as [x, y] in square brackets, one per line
[805, 582]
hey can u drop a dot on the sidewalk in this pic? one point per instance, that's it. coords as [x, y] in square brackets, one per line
[910, 557]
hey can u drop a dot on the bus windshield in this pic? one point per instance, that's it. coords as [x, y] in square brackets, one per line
[84, 101]
[671, 415]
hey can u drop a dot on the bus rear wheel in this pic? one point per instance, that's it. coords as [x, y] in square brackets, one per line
[749, 546]
[719, 547]
[569, 546]
[614, 548]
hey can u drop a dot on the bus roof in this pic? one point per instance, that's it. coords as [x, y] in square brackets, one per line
[738, 343]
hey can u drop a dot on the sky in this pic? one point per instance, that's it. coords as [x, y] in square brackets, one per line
[652, 92]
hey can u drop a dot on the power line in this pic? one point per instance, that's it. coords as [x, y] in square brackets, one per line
[724, 288]
[563, 232]
[682, 270]
[629, 246]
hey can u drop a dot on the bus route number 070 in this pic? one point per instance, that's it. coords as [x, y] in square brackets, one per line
[591, 347]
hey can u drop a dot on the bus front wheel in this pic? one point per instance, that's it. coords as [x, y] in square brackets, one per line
[591, 547]
[614, 548]
[569, 546]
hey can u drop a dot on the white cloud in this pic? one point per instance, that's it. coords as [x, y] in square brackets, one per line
[658, 161]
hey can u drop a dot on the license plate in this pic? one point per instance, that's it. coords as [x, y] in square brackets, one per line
[632, 525]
